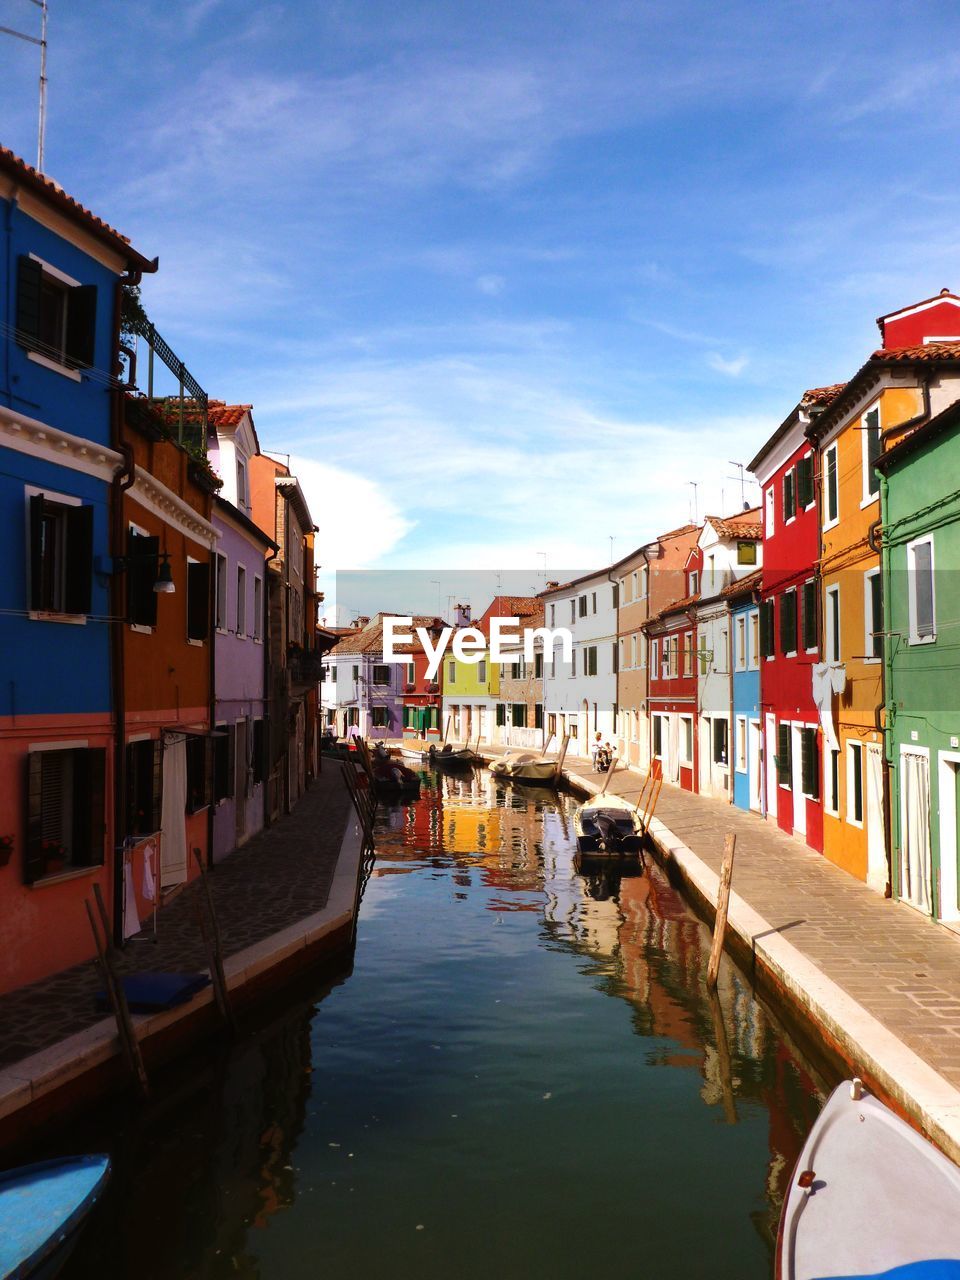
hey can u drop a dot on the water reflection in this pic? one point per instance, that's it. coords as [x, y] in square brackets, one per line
[466, 1102]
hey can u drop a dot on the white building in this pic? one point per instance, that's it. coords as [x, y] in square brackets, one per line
[730, 548]
[580, 697]
[359, 692]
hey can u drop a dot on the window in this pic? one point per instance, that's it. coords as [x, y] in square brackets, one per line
[538, 666]
[636, 585]
[784, 759]
[686, 739]
[196, 773]
[223, 764]
[832, 800]
[833, 624]
[674, 656]
[809, 764]
[379, 717]
[831, 495]
[241, 600]
[753, 660]
[657, 736]
[768, 517]
[573, 610]
[694, 582]
[381, 674]
[482, 671]
[645, 580]
[221, 592]
[241, 481]
[258, 608]
[766, 628]
[198, 600]
[553, 615]
[633, 651]
[452, 672]
[61, 555]
[805, 492]
[870, 437]
[922, 601]
[616, 657]
[740, 644]
[411, 673]
[854, 813]
[741, 744]
[789, 495]
[872, 615]
[538, 715]
[66, 812]
[720, 740]
[332, 673]
[746, 553]
[501, 713]
[143, 763]
[518, 715]
[593, 602]
[583, 606]
[56, 317]
[259, 749]
[809, 615]
[788, 622]
[590, 660]
[142, 565]
[615, 597]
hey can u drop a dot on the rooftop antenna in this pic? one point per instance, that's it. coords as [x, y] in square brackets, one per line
[611, 548]
[694, 486]
[743, 484]
[544, 554]
[42, 42]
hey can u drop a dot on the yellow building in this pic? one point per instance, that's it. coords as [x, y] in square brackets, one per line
[894, 390]
[470, 691]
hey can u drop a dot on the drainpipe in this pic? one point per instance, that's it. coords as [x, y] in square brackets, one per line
[616, 650]
[268, 701]
[212, 677]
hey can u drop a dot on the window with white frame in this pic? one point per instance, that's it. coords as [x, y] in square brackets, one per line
[870, 444]
[686, 739]
[633, 651]
[872, 616]
[854, 814]
[56, 315]
[657, 729]
[740, 644]
[257, 608]
[832, 797]
[241, 600]
[694, 582]
[833, 624]
[753, 660]
[920, 591]
[768, 516]
[221, 592]
[831, 489]
[741, 744]
[241, 481]
[60, 564]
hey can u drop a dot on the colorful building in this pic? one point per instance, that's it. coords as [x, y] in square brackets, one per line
[518, 717]
[422, 693]
[474, 702]
[786, 469]
[580, 697]
[898, 388]
[920, 503]
[742, 597]
[360, 692]
[633, 724]
[62, 466]
[672, 633]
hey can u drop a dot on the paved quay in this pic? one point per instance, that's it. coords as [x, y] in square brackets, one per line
[879, 981]
[286, 889]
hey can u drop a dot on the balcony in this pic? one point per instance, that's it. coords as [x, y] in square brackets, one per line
[172, 405]
[305, 668]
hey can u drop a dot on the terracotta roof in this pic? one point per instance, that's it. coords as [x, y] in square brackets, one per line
[746, 524]
[506, 607]
[51, 191]
[676, 607]
[225, 415]
[926, 352]
[676, 533]
[821, 396]
[743, 586]
[369, 639]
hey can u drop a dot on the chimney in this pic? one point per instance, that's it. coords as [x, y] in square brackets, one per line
[553, 583]
[463, 615]
[362, 621]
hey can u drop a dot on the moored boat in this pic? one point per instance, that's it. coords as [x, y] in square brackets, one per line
[450, 757]
[42, 1210]
[526, 767]
[869, 1198]
[608, 826]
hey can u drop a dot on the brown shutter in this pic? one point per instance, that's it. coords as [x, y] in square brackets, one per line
[29, 273]
[33, 850]
[79, 566]
[36, 550]
[81, 324]
[141, 575]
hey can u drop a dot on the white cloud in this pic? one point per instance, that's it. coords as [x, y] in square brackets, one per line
[732, 368]
[359, 523]
[491, 285]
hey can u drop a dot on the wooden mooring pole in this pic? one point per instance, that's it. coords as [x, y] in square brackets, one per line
[115, 992]
[723, 904]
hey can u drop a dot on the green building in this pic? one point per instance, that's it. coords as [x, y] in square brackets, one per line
[920, 511]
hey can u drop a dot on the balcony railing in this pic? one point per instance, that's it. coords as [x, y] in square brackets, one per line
[180, 415]
[305, 667]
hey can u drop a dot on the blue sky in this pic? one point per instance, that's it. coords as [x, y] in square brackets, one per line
[503, 279]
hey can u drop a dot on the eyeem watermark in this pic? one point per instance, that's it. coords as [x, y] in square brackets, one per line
[470, 645]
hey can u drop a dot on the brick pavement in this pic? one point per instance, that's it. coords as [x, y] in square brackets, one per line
[898, 965]
[277, 879]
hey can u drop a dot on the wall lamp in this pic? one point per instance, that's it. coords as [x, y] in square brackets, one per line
[163, 584]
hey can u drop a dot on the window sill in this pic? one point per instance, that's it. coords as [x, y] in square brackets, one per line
[71, 619]
[140, 629]
[915, 640]
[55, 366]
[197, 644]
[869, 500]
[63, 876]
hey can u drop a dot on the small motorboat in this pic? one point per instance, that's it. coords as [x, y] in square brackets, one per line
[610, 826]
[525, 767]
[417, 751]
[869, 1198]
[450, 757]
[43, 1208]
[393, 781]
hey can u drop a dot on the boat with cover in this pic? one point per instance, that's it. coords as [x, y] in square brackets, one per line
[526, 766]
[43, 1208]
[869, 1198]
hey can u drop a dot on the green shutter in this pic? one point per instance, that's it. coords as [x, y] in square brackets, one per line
[788, 622]
[78, 579]
[29, 274]
[809, 764]
[81, 324]
[805, 481]
[36, 551]
[784, 762]
[809, 615]
[789, 495]
[764, 618]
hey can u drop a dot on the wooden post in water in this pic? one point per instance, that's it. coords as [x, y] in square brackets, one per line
[115, 992]
[610, 773]
[213, 944]
[561, 757]
[723, 903]
[545, 746]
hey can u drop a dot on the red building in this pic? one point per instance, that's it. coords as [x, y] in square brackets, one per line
[422, 696]
[672, 705]
[791, 777]
[933, 320]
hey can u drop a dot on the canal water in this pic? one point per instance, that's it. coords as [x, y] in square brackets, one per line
[521, 1076]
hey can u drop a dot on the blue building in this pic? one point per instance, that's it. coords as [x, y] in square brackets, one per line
[60, 273]
[743, 599]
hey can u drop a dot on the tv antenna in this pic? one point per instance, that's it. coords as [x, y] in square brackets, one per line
[743, 483]
[694, 486]
[42, 42]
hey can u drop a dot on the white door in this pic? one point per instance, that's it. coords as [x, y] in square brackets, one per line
[753, 763]
[915, 829]
[949, 844]
[173, 823]
[769, 754]
[799, 800]
[876, 854]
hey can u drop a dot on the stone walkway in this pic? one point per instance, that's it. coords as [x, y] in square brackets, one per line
[277, 879]
[898, 965]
